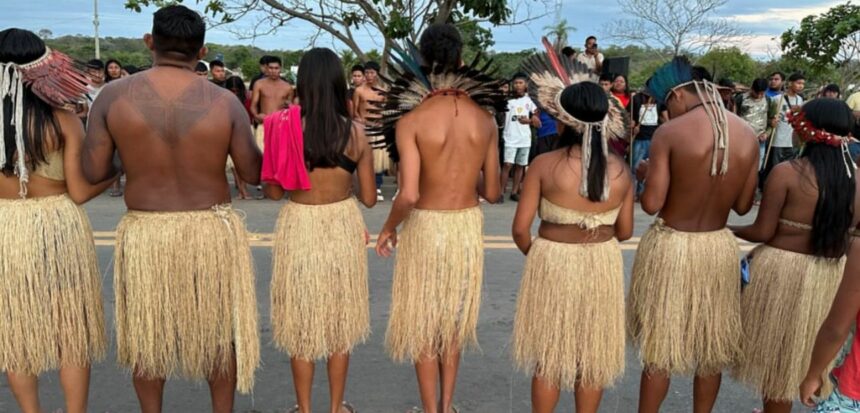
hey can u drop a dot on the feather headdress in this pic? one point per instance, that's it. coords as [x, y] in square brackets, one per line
[550, 75]
[54, 78]
[679, 73]
[411, 83]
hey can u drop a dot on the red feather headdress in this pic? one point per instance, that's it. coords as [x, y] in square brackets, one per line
[54, 78]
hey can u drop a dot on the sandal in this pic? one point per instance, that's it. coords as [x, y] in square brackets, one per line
[415, 410]
[349, 407]
[295, 409]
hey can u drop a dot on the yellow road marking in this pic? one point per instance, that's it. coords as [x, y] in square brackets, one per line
[627, 246]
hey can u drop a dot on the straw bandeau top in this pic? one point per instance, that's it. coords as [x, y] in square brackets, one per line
[556, 214]
[795, 224]
[52, 168]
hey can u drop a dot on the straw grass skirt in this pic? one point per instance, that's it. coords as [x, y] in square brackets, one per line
[787, 299]
[684, 301]
[381, 161]
[569, 325]
[319, 288]
[185, 298]
[437, 284]
[50, 287]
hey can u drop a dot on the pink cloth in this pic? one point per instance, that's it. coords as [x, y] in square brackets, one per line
[284, 150]
[848, 374]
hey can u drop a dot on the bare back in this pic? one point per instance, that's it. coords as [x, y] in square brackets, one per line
[791, 193]
[679, 184]
[173, 131]
[449, 141]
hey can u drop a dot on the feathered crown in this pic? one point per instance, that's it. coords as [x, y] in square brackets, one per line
[410, 83]
[550, 75]
[668, 77]
[679, 73]
[54, 78]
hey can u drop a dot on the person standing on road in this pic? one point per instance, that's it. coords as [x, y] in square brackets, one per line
[806, 213]
[50, 295]
[320, 305]
[448, 150]
[522, 114]
[684, 301]
[183, 277]
[569, 324]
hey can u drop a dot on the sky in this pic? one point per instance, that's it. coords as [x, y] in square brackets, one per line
[762, 20]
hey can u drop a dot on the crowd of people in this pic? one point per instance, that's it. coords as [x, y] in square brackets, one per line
[183, 274]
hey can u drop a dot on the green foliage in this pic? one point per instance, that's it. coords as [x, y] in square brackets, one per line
[507, 64]
[730, 63]
[134, 52]
[823, 39]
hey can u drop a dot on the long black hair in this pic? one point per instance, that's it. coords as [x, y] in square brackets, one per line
[236, 82]
[834, 211]
[107, 73]
[21, 47]
[587, 102]
[321, 87]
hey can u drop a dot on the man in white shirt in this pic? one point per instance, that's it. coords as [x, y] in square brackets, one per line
[521, 116]
[782, 147]
[591, 57]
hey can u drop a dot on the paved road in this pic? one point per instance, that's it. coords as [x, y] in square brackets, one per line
[487, 384]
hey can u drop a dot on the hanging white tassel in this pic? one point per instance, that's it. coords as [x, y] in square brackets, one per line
[586, 160]
[605, 146]
[12, 85]
[850, 166]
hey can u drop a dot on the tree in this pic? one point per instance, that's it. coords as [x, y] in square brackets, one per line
[732, 63]
[45, 34]
[389, 21]
[689, 26]
[826, 40]
[559, 31]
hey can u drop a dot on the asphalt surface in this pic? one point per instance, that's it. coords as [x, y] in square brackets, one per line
[487, 383]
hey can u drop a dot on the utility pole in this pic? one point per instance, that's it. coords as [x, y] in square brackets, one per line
[96, 24]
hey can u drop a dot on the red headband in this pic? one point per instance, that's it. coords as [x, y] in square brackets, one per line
[809, 133]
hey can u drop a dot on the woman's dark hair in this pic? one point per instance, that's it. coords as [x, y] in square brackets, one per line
[587, 102]
[236, 82]
[21, 47]
[107, 65]
[321, 87]
[440, 46]
[835, 209]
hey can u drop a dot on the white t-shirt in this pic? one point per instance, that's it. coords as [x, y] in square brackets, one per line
[518, 135]
[590, 60]
[784, 131]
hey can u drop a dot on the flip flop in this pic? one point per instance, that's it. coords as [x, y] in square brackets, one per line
[295, 409]
[415, 410]
[349, 407]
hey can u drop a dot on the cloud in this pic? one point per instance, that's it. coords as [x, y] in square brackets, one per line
[782, 14]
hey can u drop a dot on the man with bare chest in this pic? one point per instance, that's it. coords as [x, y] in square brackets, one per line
[684, 300]
[270, 94]
[173, 131]
[362, 101]
[449, 156]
